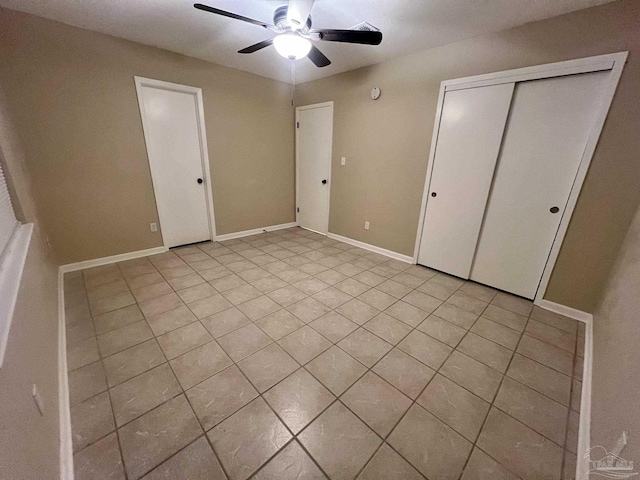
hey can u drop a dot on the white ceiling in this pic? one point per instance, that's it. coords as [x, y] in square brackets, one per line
[407, 25]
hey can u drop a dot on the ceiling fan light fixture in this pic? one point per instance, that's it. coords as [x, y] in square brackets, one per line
[292, 46]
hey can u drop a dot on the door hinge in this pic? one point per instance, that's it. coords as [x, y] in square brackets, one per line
[297, 124]
[298, 210]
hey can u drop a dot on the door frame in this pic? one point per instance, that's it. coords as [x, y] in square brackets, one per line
[614, 62]
[330, 161]
[141, 82]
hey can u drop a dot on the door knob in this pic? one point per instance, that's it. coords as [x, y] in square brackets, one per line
[554, 209]
[433, 194]
[200, 180]
[324, 182]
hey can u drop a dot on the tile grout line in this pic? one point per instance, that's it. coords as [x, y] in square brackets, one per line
[491, 405]
[563, 447]
[413, 401]
[108, 393]
[294, 437]
[437, 372]
[110, 388]
[184, 392]
[565, 450]
[359, 326]
[260, 394]
[296, 370]
[414, 328]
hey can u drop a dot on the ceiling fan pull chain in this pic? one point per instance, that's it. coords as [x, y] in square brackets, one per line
[293, 75]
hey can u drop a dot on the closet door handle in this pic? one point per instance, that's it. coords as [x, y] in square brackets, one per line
[434, 194]
[554, 209]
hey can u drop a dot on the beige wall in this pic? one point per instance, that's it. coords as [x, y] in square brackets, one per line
[387, 142]
[29, 441]
[73, 97]
[616, 368]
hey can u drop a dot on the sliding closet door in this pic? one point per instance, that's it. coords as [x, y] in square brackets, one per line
[545, 139]
[471, 129]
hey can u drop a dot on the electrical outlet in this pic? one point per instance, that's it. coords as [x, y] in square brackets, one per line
[366, 225]
[154, 227]
[343, 161]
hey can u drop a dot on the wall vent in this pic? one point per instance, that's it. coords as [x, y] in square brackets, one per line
[365, 27]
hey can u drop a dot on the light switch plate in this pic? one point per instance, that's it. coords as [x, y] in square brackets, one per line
[343, 161]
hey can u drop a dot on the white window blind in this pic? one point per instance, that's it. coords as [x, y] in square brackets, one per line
[14, 244]
[8, 222]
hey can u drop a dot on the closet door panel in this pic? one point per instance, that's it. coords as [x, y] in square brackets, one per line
[545, 138]
[471, 129]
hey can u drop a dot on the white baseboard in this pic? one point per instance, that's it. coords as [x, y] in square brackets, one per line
[566, 311]
[66, 442]
[372, 248]
[584, 432]
[72, 267]
[255, 231]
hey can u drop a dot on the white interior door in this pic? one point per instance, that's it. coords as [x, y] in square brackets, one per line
[544, 142]
[313, 154]
[471, 129]
[173, 134]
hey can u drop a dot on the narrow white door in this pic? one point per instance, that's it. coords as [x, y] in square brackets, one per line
[471, 129]
[545, 139]
[313, 146]
[173, 136]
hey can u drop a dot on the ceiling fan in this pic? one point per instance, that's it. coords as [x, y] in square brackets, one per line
[292, 24]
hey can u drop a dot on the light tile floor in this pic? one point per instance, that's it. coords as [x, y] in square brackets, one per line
[290, 355]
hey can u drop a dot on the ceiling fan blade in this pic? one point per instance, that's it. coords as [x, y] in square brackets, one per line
[224, 13]
[298, 12]
[257, 46]
[318, 58]
[347, 36]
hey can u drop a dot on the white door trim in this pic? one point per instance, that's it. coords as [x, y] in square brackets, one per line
[202, 135]
[64, 410]
[570, 67]
[299, 109]
[614, 62]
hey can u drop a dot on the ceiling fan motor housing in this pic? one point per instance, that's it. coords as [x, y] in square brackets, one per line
[281, 22]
